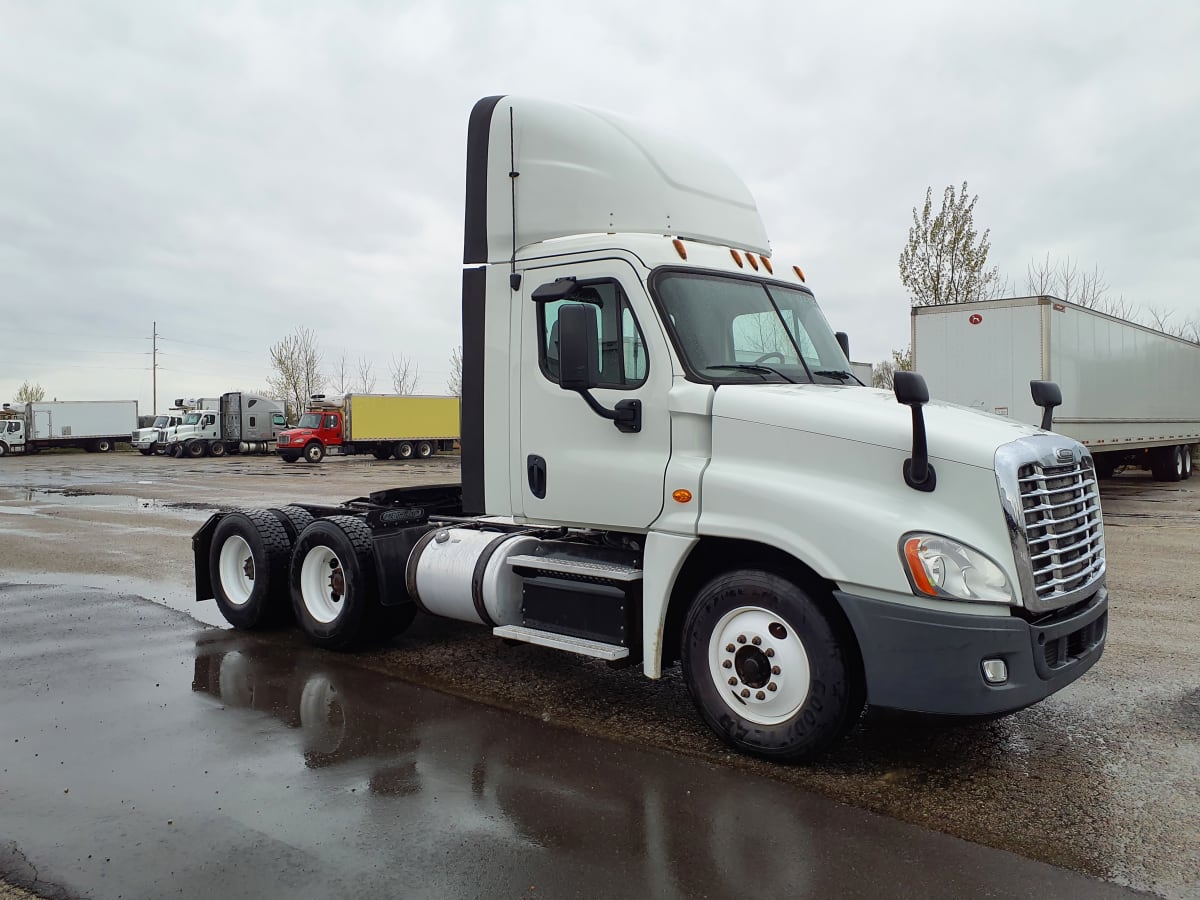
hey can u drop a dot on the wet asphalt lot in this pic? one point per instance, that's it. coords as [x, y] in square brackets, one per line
[1102, 780]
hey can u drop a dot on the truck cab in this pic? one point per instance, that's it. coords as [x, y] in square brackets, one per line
[319, 430]
[145, 440]
[197, 427]
[12, 433]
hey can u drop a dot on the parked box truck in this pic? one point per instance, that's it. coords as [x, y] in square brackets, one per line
[240, 423]
[91, 425]
[1129, 393]
[384, 425]
[665, 460]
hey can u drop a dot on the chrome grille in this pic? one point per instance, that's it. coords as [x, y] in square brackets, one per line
[1060, 505]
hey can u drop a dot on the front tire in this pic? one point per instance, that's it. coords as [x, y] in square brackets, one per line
[3, 449]
[289, 457]
[248, 566]
[314, 452]
[766, 667]
[196, 449]
[334, 592]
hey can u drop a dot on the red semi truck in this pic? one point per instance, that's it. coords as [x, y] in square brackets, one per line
[384, 425]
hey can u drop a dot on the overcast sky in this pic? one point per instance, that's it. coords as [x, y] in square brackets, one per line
[235, 170]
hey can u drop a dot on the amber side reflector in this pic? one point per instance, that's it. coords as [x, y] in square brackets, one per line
[679, 248]
[737, 257]
[767, 265]
[683, 495]
[753, 260]
[911, 554]
[799, 272]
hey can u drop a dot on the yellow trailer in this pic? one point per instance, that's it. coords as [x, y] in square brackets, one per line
[384, 425]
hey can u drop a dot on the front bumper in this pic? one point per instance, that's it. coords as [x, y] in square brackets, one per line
[932, 662]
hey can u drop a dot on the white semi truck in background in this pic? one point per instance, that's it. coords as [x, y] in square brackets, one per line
[92, 425]
[237, 423]
[666, 459]
[1129, 393]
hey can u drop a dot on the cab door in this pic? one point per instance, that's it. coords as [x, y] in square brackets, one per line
[576, 467]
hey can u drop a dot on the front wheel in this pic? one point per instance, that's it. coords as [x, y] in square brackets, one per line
[3, 449]
[196, 449]
[314, 452]
[767, 669]
[289, 457]
[146, 451]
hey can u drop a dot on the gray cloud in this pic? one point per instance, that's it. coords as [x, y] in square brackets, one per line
[235, 170]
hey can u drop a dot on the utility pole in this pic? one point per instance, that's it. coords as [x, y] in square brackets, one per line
[154, 370]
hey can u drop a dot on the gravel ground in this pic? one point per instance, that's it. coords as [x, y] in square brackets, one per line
[1103, 778]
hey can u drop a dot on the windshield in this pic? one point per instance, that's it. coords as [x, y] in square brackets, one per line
[191, 419]
[161, 421]
[738, 330]
[309, 420]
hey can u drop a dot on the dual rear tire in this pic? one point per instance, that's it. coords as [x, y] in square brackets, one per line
[270, 566]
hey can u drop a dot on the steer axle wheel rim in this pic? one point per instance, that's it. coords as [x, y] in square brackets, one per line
[236, 566]
[323, 584]
[759, 665]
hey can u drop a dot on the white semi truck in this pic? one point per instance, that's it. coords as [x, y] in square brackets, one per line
[237, 423]
[92, 425]
[665, 459]
[1128, 392]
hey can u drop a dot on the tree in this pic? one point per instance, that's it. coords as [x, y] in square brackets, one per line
[454, 382]
[296, 362]
[405, 375]
[883, 373]
[30, 393]
[1064, 281]
[945, 259]
[341, 376]
[366, 375]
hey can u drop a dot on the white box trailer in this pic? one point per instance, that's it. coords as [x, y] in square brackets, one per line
[1129, 393]
[91, 425]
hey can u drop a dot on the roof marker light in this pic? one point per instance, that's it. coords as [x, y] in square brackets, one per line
[679, 248]
[799, 272]
[737, 257]
[767, 265]
[750, 258]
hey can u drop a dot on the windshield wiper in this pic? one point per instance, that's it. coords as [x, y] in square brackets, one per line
[755, 367]
[830, 373]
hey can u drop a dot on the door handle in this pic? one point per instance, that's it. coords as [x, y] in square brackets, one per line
[536, 468]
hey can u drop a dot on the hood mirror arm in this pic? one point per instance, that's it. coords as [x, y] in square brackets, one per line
[911, 390]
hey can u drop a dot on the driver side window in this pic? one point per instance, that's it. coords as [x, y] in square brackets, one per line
[621, 350]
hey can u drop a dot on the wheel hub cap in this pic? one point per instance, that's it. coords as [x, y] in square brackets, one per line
[759, 665]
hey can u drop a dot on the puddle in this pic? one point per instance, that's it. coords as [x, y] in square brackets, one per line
[75, 497]
[166, 592]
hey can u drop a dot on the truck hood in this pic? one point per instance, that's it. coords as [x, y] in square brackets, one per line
[870, 416]
[297, 432]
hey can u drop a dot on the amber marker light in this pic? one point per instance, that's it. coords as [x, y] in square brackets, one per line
[753, 260]
[679, 248]
[912, 553]
[683, 495]
[737, 257]
[767, 265]
[799, 272]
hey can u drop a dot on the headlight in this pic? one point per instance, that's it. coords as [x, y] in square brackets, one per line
[940, 567]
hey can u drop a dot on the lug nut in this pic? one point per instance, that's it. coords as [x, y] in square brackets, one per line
[745, 692]
[760, 696]
[741, 639]
[757, 640]
[775, 670]
[770, 651]
[733, 681]
[727, 664]
[729, 648]
[772, 686]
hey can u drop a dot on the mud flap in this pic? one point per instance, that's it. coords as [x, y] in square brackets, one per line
[201, 548]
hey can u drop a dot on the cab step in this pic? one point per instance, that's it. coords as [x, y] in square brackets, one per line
[574, 565]
[580, 646]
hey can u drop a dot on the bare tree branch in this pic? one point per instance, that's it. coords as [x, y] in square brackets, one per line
[405, 375]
